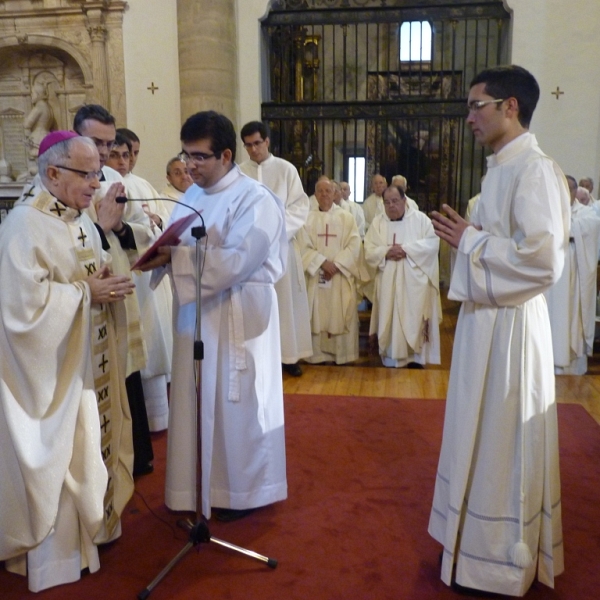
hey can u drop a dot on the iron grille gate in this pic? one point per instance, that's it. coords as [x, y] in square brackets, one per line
[337, 90]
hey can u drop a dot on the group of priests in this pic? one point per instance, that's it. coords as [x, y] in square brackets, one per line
[340, 253]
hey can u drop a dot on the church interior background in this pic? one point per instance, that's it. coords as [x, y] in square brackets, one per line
[349, 87]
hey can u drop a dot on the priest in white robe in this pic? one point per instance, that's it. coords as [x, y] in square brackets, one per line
[155, 305]
[572, 299]
[282, 178]
[65, 434]
[330, 247]
[402, 247]
[126, 232]
[497, 502]
[178, 182]
[373, 205]
[243, 439]
[352, 207]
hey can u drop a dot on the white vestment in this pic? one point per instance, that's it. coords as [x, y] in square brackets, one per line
[498, 481]
[373, 206]
[359, 216]
[170, 191]
[333, 236]
[572, 299]
[65, 433]
[156, 313]
[406, 307]
[243, 440]
[282, 178]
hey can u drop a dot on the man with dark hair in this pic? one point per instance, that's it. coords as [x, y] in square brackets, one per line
[282, 178]
[243, 440]
[65, 435]
[497, 503]
[125, 231]
[134, 140]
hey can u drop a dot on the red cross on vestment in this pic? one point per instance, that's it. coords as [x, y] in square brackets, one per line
[326, 235]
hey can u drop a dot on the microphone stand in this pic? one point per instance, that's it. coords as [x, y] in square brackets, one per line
[198, 530]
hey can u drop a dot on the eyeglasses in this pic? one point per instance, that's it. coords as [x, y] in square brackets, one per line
[87, 175]
[104, 144]
[477, 105]
[249, 145]
[198, 157]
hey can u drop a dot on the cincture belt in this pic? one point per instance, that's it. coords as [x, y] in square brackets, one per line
[237, 346]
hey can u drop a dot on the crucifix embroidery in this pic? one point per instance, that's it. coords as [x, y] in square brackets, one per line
[103, 364]
[105, 423]
[82, 237]
[57, 209]
[326, 235]
[29, 193]
[393, 241]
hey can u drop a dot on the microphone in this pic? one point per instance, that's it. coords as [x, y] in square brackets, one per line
[197, 232]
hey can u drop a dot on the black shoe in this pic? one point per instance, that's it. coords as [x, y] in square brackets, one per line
[414, 365]
[293, 370]
[226, 515]
[143, 469]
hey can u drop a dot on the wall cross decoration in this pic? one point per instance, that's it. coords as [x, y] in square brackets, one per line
[557, 93]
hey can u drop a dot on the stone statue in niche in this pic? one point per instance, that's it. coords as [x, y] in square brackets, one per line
[40, 120]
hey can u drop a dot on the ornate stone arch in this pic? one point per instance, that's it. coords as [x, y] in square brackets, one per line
[51, 41]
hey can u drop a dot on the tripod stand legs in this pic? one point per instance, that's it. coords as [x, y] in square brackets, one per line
[199, 533]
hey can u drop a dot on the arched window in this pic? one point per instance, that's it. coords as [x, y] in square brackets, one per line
[415, 41]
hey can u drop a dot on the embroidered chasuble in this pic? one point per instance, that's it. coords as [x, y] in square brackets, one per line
[333, 236]
[65, 432]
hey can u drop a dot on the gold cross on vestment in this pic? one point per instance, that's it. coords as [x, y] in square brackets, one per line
[103, 364]
[152, 88]
[557, 93]
[326, 235]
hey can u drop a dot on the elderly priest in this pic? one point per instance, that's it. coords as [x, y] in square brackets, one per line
[401, 244]
[65, 433]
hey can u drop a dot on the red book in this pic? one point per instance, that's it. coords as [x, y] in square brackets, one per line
[169, 237]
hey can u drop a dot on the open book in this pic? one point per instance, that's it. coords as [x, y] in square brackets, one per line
[169, 237]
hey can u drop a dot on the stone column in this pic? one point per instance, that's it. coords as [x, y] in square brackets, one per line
[97, 31]
[207, 57]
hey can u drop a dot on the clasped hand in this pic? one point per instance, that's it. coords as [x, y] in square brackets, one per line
[106, 287]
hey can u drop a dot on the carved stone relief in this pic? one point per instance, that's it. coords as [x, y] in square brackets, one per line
[54, 59]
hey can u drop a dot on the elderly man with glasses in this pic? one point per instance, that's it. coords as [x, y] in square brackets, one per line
[65, 436]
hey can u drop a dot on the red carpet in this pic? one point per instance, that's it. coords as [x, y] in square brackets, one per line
[360, 474]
